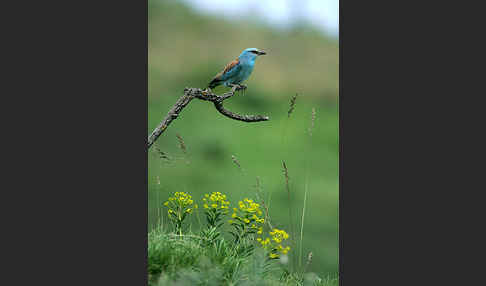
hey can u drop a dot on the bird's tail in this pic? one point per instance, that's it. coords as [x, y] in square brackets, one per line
[214, 83]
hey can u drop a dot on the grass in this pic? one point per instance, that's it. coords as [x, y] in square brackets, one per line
[209, 257]
[175, 260]
[197, 154]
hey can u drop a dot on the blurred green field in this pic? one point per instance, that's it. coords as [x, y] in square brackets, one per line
[187, 50]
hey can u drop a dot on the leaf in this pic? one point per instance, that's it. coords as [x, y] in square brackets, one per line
[233, 234]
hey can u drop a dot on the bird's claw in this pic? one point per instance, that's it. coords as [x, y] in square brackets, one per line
[242, 87]
[237, 87]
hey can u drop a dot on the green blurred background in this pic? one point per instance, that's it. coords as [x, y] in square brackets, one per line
[187, 49]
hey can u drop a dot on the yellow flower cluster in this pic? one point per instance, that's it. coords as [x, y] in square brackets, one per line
[278, 235]
[216, 201]
[249, 206]
[248, 213]
[179, 206]
[180, 202]
[216, 206]
[274, 243]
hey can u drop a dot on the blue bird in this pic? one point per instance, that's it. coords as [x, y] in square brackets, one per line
[237, 70]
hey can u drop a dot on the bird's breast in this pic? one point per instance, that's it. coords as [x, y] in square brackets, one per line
[245, 72]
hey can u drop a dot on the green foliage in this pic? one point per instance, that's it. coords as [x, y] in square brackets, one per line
[208, 258]
[176, 260]
[167, 253]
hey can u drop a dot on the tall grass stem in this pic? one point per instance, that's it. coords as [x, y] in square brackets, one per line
[291, 220]
[306, 187]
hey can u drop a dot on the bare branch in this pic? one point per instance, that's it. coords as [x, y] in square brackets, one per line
[245, 118]
[206, 95]
[173, 113]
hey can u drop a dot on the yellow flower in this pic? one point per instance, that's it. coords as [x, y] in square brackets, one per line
[249, 206]
[285, 250]
[274, 242]
[180, 203]
[266, 241]
[216, 200]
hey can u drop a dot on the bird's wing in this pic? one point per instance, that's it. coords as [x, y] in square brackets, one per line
[229, 70]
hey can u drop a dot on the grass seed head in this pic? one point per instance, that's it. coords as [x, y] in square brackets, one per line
[233, 158]
[161, 154]
[309, 258]
[182, 145]
[292, 105]
[312, 121]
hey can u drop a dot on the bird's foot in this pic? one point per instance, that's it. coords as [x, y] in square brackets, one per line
[242, 87]
[238, 87]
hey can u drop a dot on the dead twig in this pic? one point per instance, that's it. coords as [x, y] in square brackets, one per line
[206, 95]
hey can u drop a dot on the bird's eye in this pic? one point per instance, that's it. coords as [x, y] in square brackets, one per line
[255, 52]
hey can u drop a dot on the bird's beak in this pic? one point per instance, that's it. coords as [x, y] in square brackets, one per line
[261, 52]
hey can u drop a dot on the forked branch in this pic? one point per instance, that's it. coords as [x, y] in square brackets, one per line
[206, 95]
